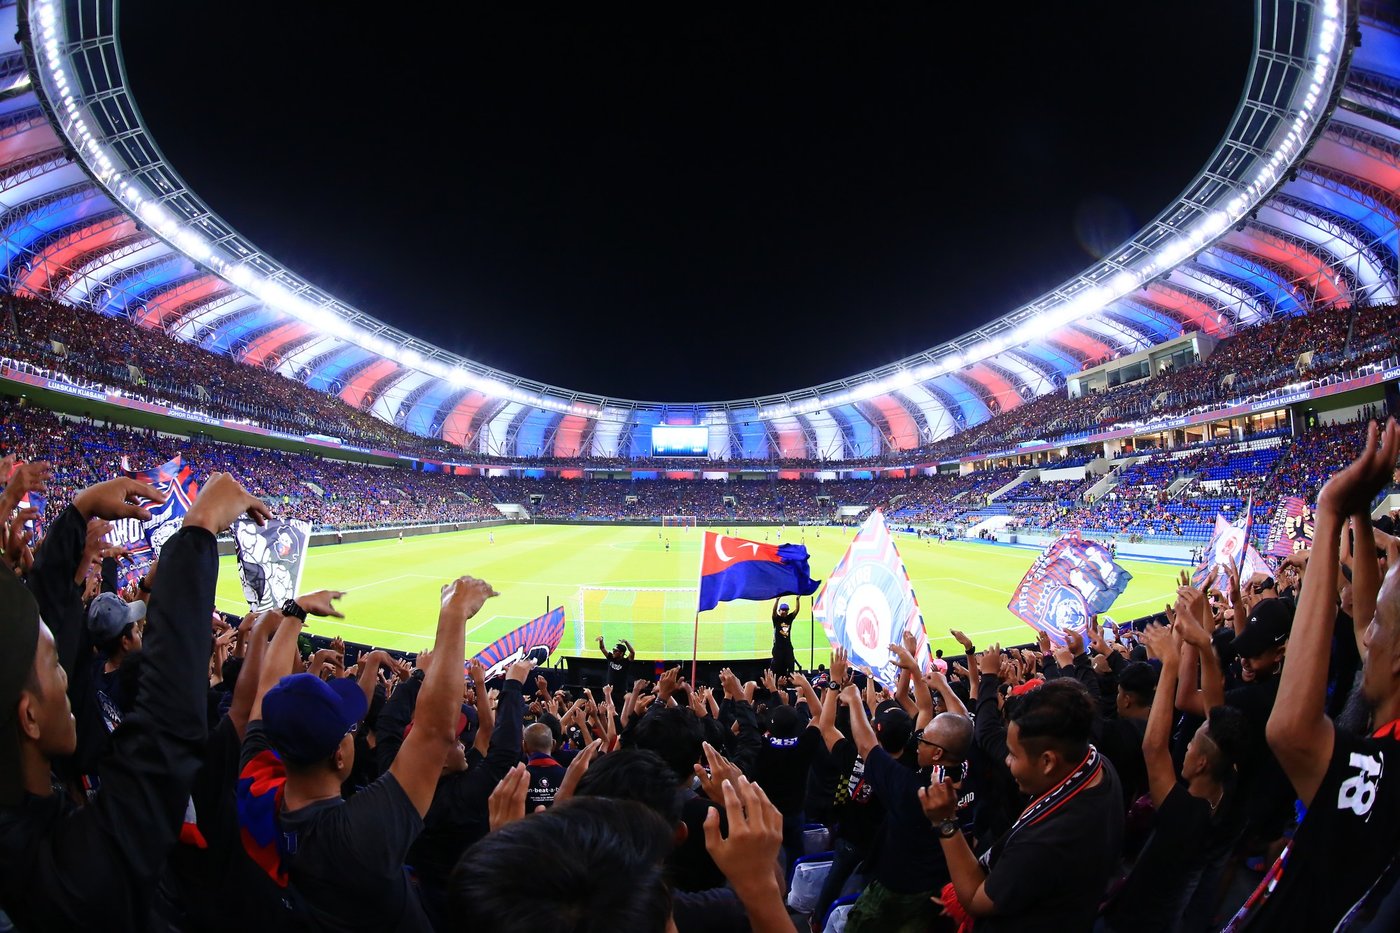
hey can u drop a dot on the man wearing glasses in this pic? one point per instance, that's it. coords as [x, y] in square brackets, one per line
[907, 867]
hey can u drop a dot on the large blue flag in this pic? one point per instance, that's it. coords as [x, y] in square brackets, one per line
[732, 568]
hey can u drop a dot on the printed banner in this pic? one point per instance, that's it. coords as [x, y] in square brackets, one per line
[1072, 579]
[1292, 527]
[536, 639]
[271, 559]
[145, 539]
[868, 603]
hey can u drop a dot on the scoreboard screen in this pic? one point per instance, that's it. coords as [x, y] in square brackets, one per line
[680, 441]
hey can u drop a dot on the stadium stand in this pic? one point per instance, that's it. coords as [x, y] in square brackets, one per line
[164, 767]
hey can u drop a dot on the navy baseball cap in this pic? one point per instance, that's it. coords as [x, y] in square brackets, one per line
[305, 717]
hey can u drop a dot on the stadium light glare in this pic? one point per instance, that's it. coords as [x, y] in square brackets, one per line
[459, 378]
[1123, 283]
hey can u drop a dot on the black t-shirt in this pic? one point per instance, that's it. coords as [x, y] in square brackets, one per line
[1186, 836]
[908, 858]
[1348, 838]
[218, 887]
[1120, 740]
[782, 768]
[782, 633]
[1266, 791]
[1052, 875]
[345, 858]
[546, 775]
[860, 813]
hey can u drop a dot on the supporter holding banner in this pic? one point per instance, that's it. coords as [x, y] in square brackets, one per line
[1070, 581]
[271, 559]
[868, 604]
[536, 640]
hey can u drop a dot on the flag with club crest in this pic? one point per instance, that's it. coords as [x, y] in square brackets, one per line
[144, 539]
[1229, 544]
[536, 639]
[1072, 579]
[868, 603]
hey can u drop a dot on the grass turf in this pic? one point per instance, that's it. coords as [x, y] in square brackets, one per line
[393, 588]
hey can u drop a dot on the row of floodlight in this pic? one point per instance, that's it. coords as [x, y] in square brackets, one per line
[324, 318]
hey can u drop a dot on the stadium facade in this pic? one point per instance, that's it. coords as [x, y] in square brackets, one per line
[1297, 210]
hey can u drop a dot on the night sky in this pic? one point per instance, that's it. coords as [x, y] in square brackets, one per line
[687, 202]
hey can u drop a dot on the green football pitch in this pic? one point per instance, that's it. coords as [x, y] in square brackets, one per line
[624, 582]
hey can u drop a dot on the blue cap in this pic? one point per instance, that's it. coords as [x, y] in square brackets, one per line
[305, 717]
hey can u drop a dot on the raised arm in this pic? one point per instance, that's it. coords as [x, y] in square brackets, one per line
[827, 720]
[1299, 731]
[938, 681]
[1156, 741]
[1365, 578]
[250, 677]
[631, 652]
[419, 761]
[861, 730]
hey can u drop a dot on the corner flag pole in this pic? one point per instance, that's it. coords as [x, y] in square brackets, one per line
[811, 638]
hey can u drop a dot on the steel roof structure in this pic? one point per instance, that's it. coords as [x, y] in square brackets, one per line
[1297, 208]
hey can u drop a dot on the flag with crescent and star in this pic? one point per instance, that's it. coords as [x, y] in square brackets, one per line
[732, 568]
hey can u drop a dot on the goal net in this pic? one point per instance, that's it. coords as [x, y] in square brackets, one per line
[678, 521]
[660, 624]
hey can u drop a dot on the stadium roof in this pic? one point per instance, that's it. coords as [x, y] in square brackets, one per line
[1295, 209]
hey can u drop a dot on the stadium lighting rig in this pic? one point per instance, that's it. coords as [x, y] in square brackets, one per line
[1077, 300]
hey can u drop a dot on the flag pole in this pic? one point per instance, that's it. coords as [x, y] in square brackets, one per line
[811, 637]
[695, 650]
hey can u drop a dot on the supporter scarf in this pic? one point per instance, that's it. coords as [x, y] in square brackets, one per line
[259, 799]
[1041, 808]
[1047, 803]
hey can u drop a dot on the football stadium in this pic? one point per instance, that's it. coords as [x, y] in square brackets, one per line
[1107, 578]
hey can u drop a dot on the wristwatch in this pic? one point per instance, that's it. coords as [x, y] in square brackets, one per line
[947, 829]
[293, 609]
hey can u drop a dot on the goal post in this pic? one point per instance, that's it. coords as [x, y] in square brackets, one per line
[660, 624]
[678, 521]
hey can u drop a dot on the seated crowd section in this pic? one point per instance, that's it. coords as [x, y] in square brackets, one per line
[164, 768]
[336, 494]
[145, 362]
[223, 774]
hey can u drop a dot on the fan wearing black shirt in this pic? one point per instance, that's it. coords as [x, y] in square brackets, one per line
[1074, 818]
[1341, 861]
[784, 661]
[1198, 816]
[329, 845]
[908, 867]
[619, 659]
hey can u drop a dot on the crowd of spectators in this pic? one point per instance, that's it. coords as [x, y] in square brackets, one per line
[145, 362]
[164, 767]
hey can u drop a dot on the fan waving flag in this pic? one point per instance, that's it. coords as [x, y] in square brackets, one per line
[1229, 543]
[536, 639]
[732, 568]
[1071, 580]
[868, 603]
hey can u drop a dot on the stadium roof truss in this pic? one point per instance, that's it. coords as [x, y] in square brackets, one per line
[1296, 209]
